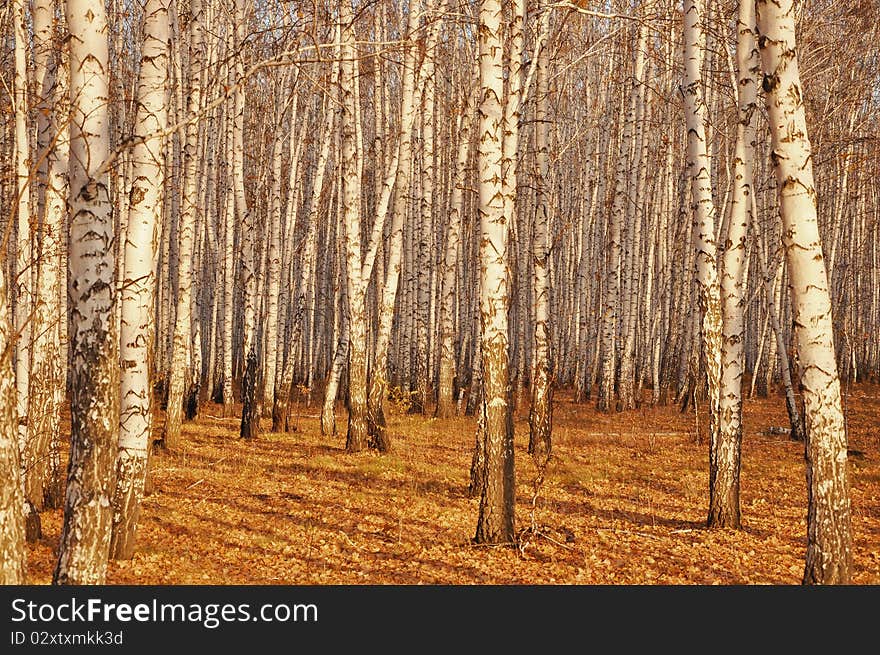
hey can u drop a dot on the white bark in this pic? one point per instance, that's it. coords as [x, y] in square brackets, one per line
[94, 407]
[829, 537]
[181, 354]
[137, 331]
[496, 517]
[703, 214]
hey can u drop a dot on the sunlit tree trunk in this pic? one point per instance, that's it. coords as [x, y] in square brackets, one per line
[23, 280]
[229, 300]
[829, 536]
[137, 331]
[703, 213]
[445, 387]
[356, 438]
[250, 413]
[379, 374]
[495, 523]
[181, 357]
[43, 481]
[273, 283]
[13, 550]
[724, 505]
[541, 412]
[94, 405]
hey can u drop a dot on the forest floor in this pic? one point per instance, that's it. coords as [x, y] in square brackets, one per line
[624, 502]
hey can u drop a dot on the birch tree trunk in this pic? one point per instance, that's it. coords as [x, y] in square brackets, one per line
[137, 331]
[94, 406]
[357, 436]
[13, 550]
[379, 375]
[425, 235]
[250, 413]
[43, 482]
[703, 212]
[829, 537]
[445, 387]
[541, 411]
[23, 264]
[273, 284]
[306, 274]
[495, 523]
[229, 301]
[181, 354]
[724, 505]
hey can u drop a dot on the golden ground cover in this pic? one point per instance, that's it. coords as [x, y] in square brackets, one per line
[624, 502]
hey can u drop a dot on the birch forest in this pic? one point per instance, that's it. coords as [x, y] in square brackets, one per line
[444, 291]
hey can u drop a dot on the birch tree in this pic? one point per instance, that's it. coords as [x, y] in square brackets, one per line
[495, 523]
[24, 259]
[724, 505]
[145, 209]
[541, 411]
[400, 180]
[43, 483]
[250, 413]
[829, 537]
[445, 401]
[181, 357]
[94, 404]
[13, 551]
[356, 439]
[703, 213]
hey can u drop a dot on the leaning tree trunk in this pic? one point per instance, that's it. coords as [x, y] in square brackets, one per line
[13, 551]
[94, 403]
[137, 330]
[703, 212]
[495, 523]
[181, 348]
[829, 537]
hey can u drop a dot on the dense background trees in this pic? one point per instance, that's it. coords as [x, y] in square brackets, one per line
[460, 204]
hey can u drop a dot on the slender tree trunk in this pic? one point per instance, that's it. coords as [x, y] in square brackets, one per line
[181, 354]
[724, 505]
[541, 412]
[94, 406]
[306, 272]
[24, 273]
[229, 301]
[703, 211]
[357, 436]
[379, 437]
[273, 284]
[495, 523]
[13, 550]
[445, 401]
[829, 536]
[47, 379]
[137, 330]
[250, 413]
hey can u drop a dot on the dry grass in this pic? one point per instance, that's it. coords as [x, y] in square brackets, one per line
[624, 502]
